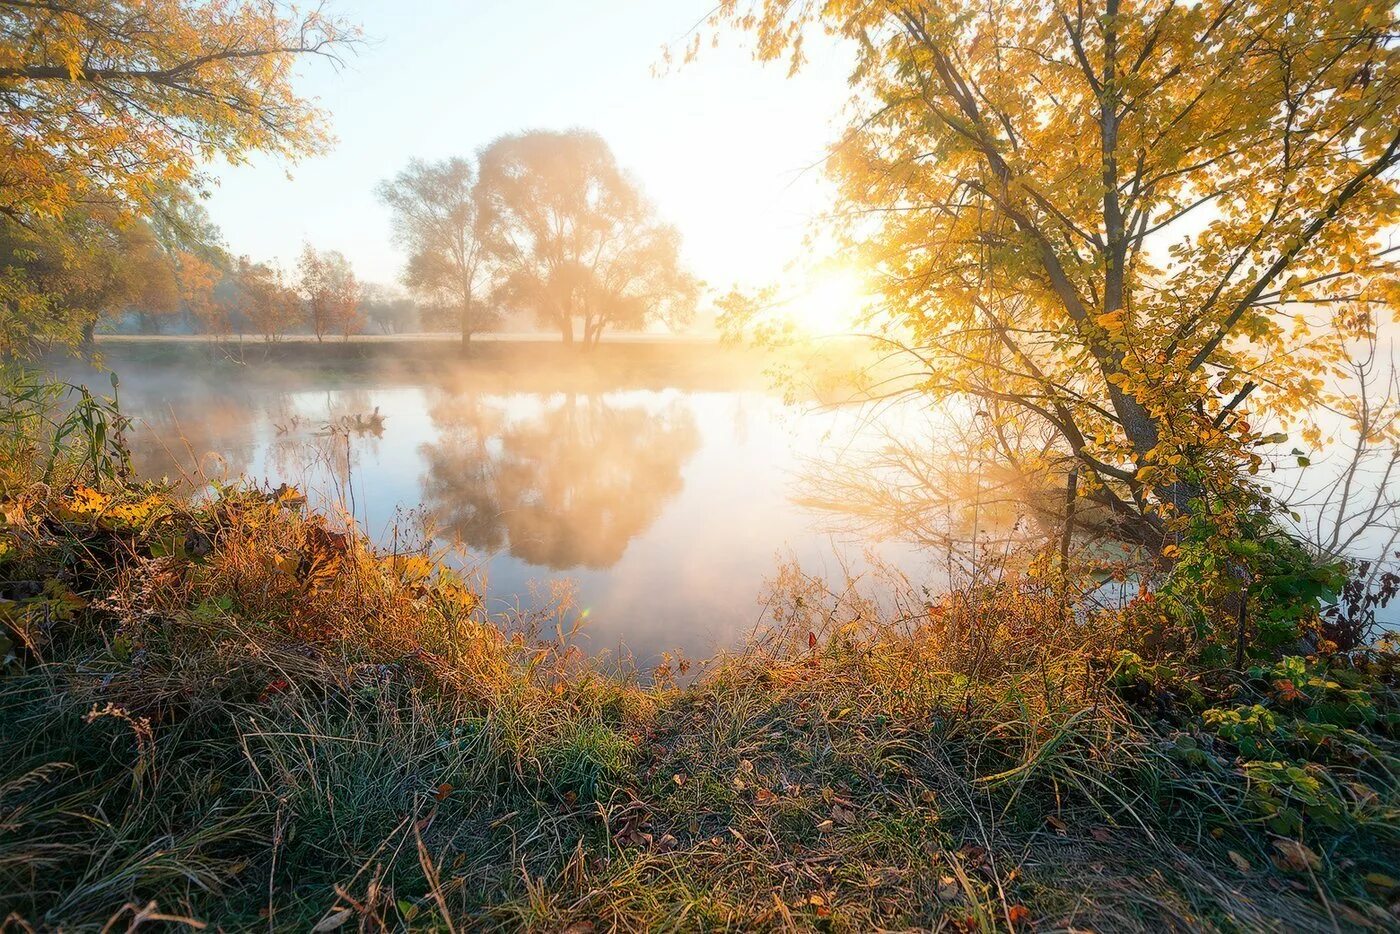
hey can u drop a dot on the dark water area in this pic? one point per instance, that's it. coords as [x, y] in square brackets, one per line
[653, 484]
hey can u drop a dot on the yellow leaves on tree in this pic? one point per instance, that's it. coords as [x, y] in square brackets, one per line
[117, 100]
[1093, 217]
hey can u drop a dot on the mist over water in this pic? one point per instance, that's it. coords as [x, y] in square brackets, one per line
[659, 496]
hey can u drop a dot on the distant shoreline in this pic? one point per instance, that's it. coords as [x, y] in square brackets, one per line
[434, 337]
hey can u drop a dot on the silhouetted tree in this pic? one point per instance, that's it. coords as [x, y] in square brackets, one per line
[436, 219]
[573, 238]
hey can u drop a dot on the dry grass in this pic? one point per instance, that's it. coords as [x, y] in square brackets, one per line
[240, 715]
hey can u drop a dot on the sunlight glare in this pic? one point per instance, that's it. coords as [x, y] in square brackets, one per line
[832, 303]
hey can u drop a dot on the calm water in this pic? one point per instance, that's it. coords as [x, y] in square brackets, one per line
[663, 507]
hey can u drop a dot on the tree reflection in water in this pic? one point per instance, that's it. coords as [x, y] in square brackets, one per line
[565, 485]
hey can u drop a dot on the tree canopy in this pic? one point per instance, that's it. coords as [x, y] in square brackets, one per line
[1151, 226]
[574, 240]
[437, 220]
[118, 102]
[330, 291]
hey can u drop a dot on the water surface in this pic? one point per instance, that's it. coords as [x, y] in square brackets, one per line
[659, 496]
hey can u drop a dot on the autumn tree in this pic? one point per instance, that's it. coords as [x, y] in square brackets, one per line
[436, 220]
[1153, 227]
[198, 277]
[330, 292]
[116, 101]
[574, 240]
[270, 304]
[60, 276]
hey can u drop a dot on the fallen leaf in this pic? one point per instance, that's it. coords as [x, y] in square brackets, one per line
[1018, 916]
[948, 889]
[443, 791]
[332, 921]
[1294, 856]
[1380, 882]
[826, 825]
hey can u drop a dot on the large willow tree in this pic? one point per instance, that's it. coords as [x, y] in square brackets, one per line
[1152, 227]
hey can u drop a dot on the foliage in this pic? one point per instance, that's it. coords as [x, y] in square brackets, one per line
[1151, 227]
[330, 292]
[54, 432]
[115, 104]
[63, 274]
[438, 220]
[1248, 595]
[113, 101]
[572, 237]
[259, 291]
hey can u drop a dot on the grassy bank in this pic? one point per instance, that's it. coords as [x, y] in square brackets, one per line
[235, 713]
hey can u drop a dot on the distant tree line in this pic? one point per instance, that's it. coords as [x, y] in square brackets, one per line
[171, 274]
[542, 228]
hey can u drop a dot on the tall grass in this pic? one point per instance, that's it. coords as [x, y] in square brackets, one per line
[237, 713]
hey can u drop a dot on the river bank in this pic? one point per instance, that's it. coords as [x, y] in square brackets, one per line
[237, 713]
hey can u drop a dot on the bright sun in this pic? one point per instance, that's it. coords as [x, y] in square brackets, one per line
[832, 303]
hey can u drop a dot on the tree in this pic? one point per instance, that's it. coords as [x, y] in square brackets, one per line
[1152, 226]
[387, 308]
[331, 294]
[116, 102]
[198, 278]
[437, 221]
[574, 239]
[260, 290]
[60, 276]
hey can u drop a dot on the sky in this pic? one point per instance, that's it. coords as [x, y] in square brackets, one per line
[727, 148]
